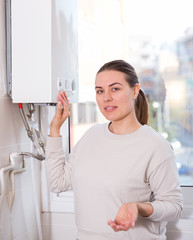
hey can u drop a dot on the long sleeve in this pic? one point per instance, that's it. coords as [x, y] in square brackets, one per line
[57, 167]
[167, 202]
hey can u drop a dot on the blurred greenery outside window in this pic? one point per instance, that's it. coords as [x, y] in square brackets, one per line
[163, 61]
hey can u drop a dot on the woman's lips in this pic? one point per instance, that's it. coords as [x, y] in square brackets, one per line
[110, 108]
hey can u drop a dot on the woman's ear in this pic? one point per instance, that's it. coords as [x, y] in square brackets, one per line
[136, 90]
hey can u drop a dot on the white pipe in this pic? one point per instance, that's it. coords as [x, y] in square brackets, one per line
[37, 208]
[12, 177]
[11, 167]
[2, 176]
[35, 192]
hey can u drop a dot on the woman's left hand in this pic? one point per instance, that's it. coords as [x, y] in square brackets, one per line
[126, 217]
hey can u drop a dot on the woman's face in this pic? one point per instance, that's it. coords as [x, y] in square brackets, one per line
[114, 96]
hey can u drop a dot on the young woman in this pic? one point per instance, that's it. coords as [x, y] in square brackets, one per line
[123, 173]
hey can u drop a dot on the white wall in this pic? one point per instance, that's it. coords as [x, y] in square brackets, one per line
[59, 226]
[21, 221]
[13, 138]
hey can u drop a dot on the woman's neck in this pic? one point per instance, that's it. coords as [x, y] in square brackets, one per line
[124, 127]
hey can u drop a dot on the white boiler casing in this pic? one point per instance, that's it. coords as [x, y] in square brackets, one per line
[43, 50]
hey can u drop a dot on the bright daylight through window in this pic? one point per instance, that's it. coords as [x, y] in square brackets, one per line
[158, 42]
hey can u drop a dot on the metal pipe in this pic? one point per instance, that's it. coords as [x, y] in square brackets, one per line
[28, 154]
[29, 131]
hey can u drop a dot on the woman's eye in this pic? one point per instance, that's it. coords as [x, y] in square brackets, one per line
[115, 89]
[99, 91]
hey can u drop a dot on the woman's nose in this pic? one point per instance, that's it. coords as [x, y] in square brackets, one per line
[107, 96]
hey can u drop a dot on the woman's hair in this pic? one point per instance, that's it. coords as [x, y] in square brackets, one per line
[141, 103]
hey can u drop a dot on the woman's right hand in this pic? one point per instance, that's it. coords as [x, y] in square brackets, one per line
[62, 113]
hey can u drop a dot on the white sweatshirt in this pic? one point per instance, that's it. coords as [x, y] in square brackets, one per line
[106, 170]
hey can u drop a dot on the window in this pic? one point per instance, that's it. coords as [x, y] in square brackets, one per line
[158, 41]
[156, 37]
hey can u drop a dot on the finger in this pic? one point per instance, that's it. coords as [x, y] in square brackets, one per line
[126, 224]
[66, 109]
[109, 222]
[121, 228]
[59, 108]
[62, 110]
[63, 95]
[64, 101]
[59, 95]
[112, 225]
[117, 228]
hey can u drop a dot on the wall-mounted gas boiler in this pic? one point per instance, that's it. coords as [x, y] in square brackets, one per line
[42, 50]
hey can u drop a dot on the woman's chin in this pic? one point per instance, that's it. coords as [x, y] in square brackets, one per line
[110, 118]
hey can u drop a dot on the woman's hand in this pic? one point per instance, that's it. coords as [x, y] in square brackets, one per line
[62, 113]
[128, 214]
[126, 217]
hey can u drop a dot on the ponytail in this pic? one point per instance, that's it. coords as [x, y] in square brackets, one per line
[141, 108]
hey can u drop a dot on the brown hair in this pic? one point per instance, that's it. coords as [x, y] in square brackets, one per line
[141, 103]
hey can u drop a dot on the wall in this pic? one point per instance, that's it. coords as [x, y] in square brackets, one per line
[20, 223]
[60, 226]
[13, 138]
